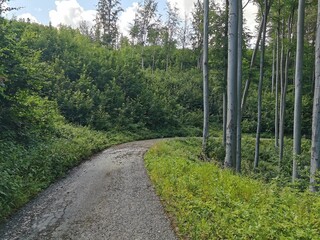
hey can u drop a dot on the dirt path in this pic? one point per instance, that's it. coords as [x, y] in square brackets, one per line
[107, 197]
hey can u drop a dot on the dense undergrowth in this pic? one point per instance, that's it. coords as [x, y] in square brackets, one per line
[26, 169]
[207, 202]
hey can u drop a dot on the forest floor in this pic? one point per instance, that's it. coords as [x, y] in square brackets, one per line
[109, 196]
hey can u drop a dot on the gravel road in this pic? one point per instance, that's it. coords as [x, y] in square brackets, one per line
[107, 197]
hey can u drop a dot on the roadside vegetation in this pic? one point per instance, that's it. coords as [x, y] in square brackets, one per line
[208, 202]
[67, 93]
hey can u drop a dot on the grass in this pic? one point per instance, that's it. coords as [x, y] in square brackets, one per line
[207, 202]
[27, 169]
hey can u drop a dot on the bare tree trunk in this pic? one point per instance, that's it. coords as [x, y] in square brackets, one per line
[273, 67]
[205, 77]
[239, 87]
[284, 85]
[282, 79]
[276, 120]
[230, 159]
[315, 147]
[225, 101]
[263, 40]
[253, 58]
[298, 90]
[225, 106]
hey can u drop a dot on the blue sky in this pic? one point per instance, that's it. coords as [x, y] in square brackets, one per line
[72, 12]
[40, 8]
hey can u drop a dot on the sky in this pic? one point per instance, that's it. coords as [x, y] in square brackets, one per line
[72, 12]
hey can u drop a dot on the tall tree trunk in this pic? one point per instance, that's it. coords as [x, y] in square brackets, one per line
[273, 67]
[282, 80]
[225, 101]
[230, 158]
[298, 90]
[276, 115]
[315, 147]
[253, 58]
[239, 87]
[225, 106]
[284, 85]
[263, 40]
[205, 77]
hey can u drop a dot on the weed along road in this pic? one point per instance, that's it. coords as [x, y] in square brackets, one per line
[107, 197]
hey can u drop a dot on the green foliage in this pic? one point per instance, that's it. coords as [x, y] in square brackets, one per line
[25, 170]
[207, 202]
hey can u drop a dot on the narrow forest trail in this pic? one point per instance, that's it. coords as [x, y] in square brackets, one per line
[107, 197]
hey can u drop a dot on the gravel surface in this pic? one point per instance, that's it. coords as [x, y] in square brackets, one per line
[107, 197]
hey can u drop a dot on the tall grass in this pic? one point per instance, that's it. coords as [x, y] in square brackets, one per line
[207, 202]
[26, 169]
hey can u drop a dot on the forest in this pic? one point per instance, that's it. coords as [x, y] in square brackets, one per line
[67, 93]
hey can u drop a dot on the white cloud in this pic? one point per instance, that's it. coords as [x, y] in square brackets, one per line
[28, 17]
[70, 13]
[184, 6]
[126, 19]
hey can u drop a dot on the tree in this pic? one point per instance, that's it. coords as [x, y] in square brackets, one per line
[107, 19]
[261, 75]
[4, 7]
[239, 87]
[85, 29]
[253, 58]
[298, 90]
[230, 157]
[145, 19]
[225, 60]
[184, 32]
[315, 146]
[197, 25]
[171, 28]
[205, 76]
[276, 115]
[284, 82]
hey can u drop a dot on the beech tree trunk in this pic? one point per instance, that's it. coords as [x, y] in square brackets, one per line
[205, 77]
[262, 46]
[276, 115]
[298, 90]
[225, 106]
[230, 158]
[239, 87]
[284, 84]
[315, 147]
[273, 67]
[253, 58]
